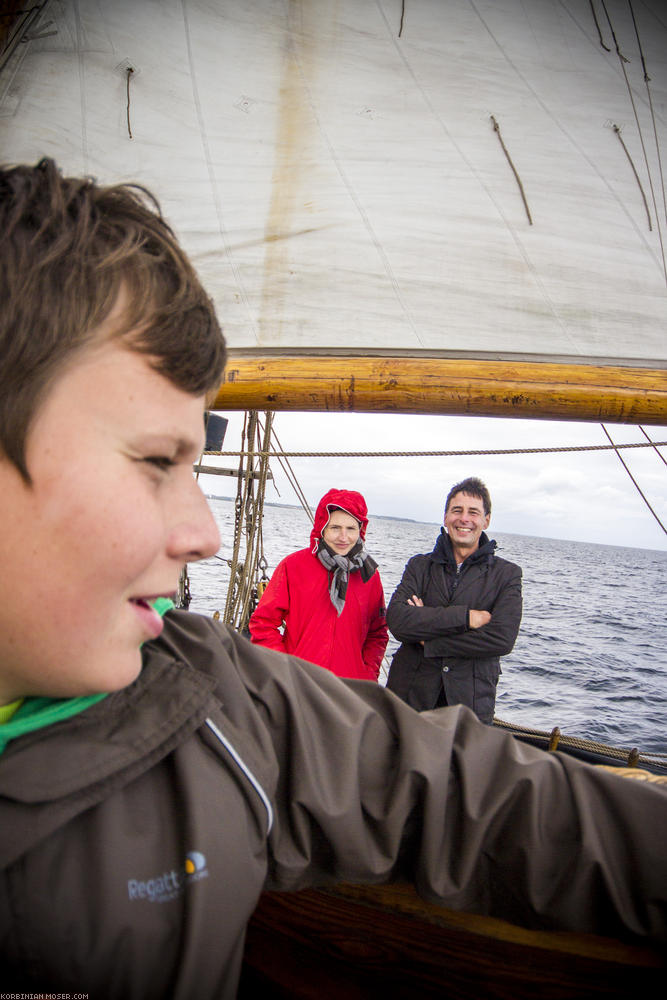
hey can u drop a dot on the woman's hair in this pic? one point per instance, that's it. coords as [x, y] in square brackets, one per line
[70, 251]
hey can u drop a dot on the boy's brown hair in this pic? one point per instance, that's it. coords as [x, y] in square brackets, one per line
[68, 249]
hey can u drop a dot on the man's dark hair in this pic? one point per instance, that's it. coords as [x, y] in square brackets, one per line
[474, 488]
[71, 251]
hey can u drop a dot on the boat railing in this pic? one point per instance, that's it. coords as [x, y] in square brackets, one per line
[588, 750]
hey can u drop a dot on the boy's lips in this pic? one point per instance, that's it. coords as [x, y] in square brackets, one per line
[150, 618]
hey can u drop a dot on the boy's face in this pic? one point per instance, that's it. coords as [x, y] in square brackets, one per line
[111, 517]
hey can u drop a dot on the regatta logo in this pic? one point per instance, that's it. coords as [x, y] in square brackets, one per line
[169, 885]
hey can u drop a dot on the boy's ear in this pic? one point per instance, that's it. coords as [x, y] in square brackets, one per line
[209, 398]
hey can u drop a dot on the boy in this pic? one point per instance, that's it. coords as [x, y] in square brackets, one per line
[159, 772]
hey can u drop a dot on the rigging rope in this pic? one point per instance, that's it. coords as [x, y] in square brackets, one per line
[653, 445]
[255, 558]
[291, 478]
[244, 586]
[496, 128]
[238, 511]
[620, 458]
[647, 80]
[634, 170]
[623, 61]
[129, 72]
[446, 454]
[597, 25]
[264, 455]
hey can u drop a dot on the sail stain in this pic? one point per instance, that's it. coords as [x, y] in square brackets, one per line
[295, 129]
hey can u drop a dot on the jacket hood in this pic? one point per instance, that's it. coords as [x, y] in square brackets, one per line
[348, 500]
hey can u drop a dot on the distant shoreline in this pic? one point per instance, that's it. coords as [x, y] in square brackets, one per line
[437, 524]
[294, 506]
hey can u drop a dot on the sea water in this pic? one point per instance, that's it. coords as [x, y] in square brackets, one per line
[591, 656]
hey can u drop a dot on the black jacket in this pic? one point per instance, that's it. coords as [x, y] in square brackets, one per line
[464, 661]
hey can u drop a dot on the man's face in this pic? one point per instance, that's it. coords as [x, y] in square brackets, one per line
[341, 533]
[111, 517]
[465, 521]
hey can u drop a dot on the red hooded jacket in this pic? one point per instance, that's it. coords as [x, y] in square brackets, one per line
[350, 645]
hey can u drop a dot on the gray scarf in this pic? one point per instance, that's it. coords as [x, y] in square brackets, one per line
[340, 567]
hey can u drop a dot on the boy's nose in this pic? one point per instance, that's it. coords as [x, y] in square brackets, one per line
[196, 534]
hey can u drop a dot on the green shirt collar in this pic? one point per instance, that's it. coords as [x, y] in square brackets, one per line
[36, 713]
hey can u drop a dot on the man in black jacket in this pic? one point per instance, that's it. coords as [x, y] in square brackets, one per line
[456, 611]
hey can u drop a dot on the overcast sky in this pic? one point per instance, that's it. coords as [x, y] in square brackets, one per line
[586, 496]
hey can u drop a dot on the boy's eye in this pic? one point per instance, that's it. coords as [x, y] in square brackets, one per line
[160, 462]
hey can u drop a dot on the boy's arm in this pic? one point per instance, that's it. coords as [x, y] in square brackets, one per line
[366, 789]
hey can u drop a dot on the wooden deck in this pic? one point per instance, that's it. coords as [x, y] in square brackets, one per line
[356, 942]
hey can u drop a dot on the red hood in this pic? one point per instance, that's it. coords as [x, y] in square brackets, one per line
[348, 500]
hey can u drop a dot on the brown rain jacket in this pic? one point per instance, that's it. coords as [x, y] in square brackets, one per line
[136, 837]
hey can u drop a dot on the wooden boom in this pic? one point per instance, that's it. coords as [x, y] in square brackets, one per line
[393, 384]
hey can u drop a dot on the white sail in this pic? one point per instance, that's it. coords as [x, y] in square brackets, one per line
[334, 170]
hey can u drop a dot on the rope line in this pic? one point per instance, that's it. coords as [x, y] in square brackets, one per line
[634, 170]
[255, 557]
[130, 71]
[443, 454]
[597, 25]
[613, 35]
[292, 480]
[243, 481]
[637, 486]
[647, 80]
[496, 128]
[244, 582]
[623, 61]
[582, 744]
[653, 445]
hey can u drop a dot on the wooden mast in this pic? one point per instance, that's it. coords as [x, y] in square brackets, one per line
[390, 384]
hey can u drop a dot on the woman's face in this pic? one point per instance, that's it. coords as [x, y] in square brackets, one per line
[341, 532]
[111, 517]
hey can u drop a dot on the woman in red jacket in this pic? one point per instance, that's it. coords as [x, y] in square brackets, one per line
[328, 597]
